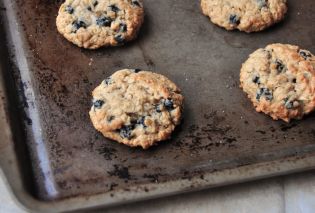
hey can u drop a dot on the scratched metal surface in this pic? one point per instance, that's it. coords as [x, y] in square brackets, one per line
[220, 130]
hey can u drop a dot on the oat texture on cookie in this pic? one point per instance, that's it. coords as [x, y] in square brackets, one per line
[244, 15]
[136, 108]
[96, 23]
[280, 81]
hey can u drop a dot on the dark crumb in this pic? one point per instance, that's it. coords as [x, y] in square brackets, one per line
[121, 172]
[229, 140]
[112, 186]
[153, 177]
[107, 152]
[285, 128]
[261, 132]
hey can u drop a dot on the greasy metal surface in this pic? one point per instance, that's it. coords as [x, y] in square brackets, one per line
[220, 130]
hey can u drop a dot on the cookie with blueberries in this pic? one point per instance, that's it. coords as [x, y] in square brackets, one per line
[280, 81]
[136, 108]
[244, 15]
[93, 24]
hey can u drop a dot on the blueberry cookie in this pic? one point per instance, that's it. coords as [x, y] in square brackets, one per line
[280, 81]
[95, 23]
[244, 15]
[136, 108]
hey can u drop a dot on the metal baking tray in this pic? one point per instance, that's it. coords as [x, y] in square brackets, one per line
[54, 160]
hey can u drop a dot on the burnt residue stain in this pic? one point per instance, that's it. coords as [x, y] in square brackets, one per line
[23, 102]
[74, 182]
[120, 171]
[112, 186]
[286, 127]
[213, 134]
[261, 132]
[148, 61]
[229, 140]
[108, 153]
[189, 175]
[154, 178]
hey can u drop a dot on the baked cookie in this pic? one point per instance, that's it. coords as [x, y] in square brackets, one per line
[280, 81]
[245, 15]
[95, 23]
[137, 108]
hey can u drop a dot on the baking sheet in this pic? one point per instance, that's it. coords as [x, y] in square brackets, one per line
[220, 132]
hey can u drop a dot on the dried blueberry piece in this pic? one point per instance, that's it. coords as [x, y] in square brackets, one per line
[122, 27]
[256, 79]
[259, 94]
[280, 66]
[78, 24]
[114, 8]
[288, 104]
[268, 95]
[69, 9]
[108, 81]
[294, 80]
[264, 92]
[158, 108]
[135, 3]
[98, 104]
[305, 54]
[137, 70]
[89, 8]
[95, 3]
[110, 118]
[104, 21]
[119, 39]
[169, 105]
[234, 19]
[125, 131]
[140, 121]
